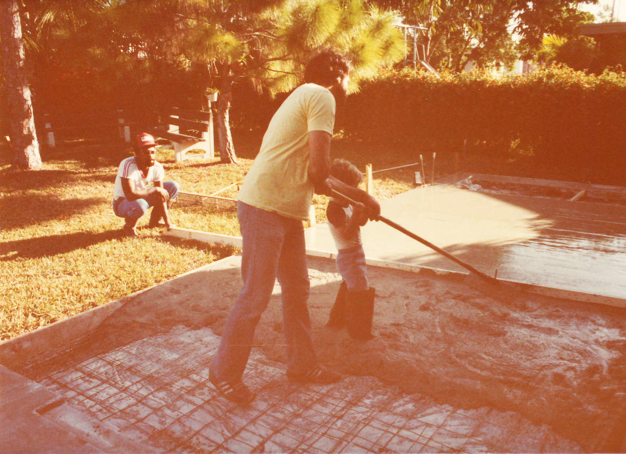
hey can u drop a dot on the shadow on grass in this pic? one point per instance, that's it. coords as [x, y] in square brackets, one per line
[90, 155]
[19, 180]
[52, 245]
[108, 178]
[20, 211]
[47, 246]
[218, 250]
[200, 164]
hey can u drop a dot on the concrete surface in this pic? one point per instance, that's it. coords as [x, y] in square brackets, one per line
[579, 247]
[22, 429]
[449, 371]
[156, 391]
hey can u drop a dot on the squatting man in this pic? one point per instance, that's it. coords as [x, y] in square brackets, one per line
[139, 186]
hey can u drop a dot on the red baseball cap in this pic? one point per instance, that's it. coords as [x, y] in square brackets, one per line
[145, 140]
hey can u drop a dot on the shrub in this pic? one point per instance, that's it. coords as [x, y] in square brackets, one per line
[560, 116]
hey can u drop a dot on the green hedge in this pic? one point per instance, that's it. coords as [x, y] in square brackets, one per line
[558, 115]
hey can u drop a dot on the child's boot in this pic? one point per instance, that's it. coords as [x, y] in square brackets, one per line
[360, 313]
[337, 318]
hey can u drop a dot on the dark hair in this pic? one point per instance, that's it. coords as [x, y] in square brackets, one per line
[326, 67]
[346, 172]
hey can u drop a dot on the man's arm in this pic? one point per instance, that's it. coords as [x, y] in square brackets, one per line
[324, 183]
[319, 160]
[165, 197]
[132, 193]
[356, 194]
[348, 225]
[336, 215]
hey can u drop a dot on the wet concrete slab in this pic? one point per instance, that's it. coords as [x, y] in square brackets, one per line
[23, 429]
[156, 391]
[449, 371]
[548, 242]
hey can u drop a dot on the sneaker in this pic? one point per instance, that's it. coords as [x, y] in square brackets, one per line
[238, 392]
[317, 375]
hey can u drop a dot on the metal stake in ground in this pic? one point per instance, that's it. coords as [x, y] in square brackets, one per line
[423, 172]
[432, 178]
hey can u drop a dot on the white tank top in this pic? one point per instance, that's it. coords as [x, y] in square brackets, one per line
[344, 239]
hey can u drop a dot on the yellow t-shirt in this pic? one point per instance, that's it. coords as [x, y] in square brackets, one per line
[278, 180]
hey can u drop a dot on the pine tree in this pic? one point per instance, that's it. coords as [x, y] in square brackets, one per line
[266, 43]
[24, 143]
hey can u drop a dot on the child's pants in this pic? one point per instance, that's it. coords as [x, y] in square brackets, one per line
[351, 266]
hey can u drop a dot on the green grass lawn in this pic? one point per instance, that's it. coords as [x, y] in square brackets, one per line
[62, 251]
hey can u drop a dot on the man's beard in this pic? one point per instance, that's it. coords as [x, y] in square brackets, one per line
[340, 92]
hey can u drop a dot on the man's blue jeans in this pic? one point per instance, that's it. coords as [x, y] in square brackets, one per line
[273, 247]
[137, 208]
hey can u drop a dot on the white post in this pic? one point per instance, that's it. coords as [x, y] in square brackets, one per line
[312, 215]
[120, 122]
[50, 133]
[369, 181]
[211, 140]
[123, 128]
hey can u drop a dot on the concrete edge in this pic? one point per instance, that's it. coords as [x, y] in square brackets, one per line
[56, 333]
[238, 242]
[82, 325]
[551, 292]
[529, 288]
[572, 185]
[187, 234]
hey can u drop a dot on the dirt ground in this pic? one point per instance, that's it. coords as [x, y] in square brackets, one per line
[554, 362]
[559, 363]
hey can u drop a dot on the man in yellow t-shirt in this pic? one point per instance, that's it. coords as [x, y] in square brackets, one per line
[292, 165]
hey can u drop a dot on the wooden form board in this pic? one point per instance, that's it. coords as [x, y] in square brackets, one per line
[206, 237]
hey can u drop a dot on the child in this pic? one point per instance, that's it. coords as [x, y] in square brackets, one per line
[354, 306]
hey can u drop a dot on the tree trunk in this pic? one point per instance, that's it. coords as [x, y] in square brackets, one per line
[224, 136]
[460, 64]
[24, 143]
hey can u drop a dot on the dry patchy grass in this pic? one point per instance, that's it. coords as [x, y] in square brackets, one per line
[62, 251]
